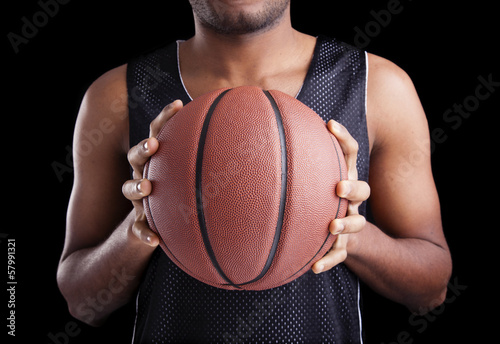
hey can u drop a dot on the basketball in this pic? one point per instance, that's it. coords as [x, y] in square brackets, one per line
[243, 188]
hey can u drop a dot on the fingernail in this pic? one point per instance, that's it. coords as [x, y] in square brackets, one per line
[151, 241]
[319, 269]
[145, 145]
[138, 186]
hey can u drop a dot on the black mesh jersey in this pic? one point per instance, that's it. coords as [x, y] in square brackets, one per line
[173, 307]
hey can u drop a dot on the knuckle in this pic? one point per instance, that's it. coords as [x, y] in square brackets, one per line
[132, 189]
[136, 151]
[130, 154]
[342, 255]
[136, 229]
[152, 125]
[353, 145]
[356, 224]
[368, 190]
[362, 222]
[336, 257]
[137, 156]
[126, 189]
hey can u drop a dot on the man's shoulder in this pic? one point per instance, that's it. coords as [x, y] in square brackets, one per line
[105, 104]
[393, 105]
[382, 70]
[113, 77]
[109, 89]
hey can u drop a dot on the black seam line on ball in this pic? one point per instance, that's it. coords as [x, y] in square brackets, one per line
[340, 174]
[336, 215]
[310, 260]
[284, 172]
[199, 193]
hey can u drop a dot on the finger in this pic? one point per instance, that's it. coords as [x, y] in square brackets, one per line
[350, 224]
[348, 144]
[160, 120]
[140, 154]
[142, 231]
[353, 190]
[136, 189]
[335, 256]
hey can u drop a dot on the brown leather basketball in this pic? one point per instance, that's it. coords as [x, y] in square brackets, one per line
[244, 188]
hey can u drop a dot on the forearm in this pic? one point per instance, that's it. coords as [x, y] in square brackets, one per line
[413, 272]
[98, 280]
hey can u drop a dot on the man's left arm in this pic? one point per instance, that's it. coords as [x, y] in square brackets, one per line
[404, 255]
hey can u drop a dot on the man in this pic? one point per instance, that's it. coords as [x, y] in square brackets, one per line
[403, 255]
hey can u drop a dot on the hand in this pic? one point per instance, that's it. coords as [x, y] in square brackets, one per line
[138, 188]
[352, 189]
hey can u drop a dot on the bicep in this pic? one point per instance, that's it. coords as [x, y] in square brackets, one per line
[404, 199]
[96, 204]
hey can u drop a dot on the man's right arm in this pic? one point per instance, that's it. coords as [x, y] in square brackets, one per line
[108, 243]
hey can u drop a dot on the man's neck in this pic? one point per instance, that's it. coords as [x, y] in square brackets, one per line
[277, 58]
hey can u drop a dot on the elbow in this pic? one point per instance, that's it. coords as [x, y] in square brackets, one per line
[434, 295]
[79, 308]
[82, 311]
[425, 303]
[86, 315]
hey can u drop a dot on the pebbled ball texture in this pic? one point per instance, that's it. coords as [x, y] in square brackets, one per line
[244, 189]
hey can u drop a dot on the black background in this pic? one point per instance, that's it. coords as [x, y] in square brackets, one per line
[444, 46]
